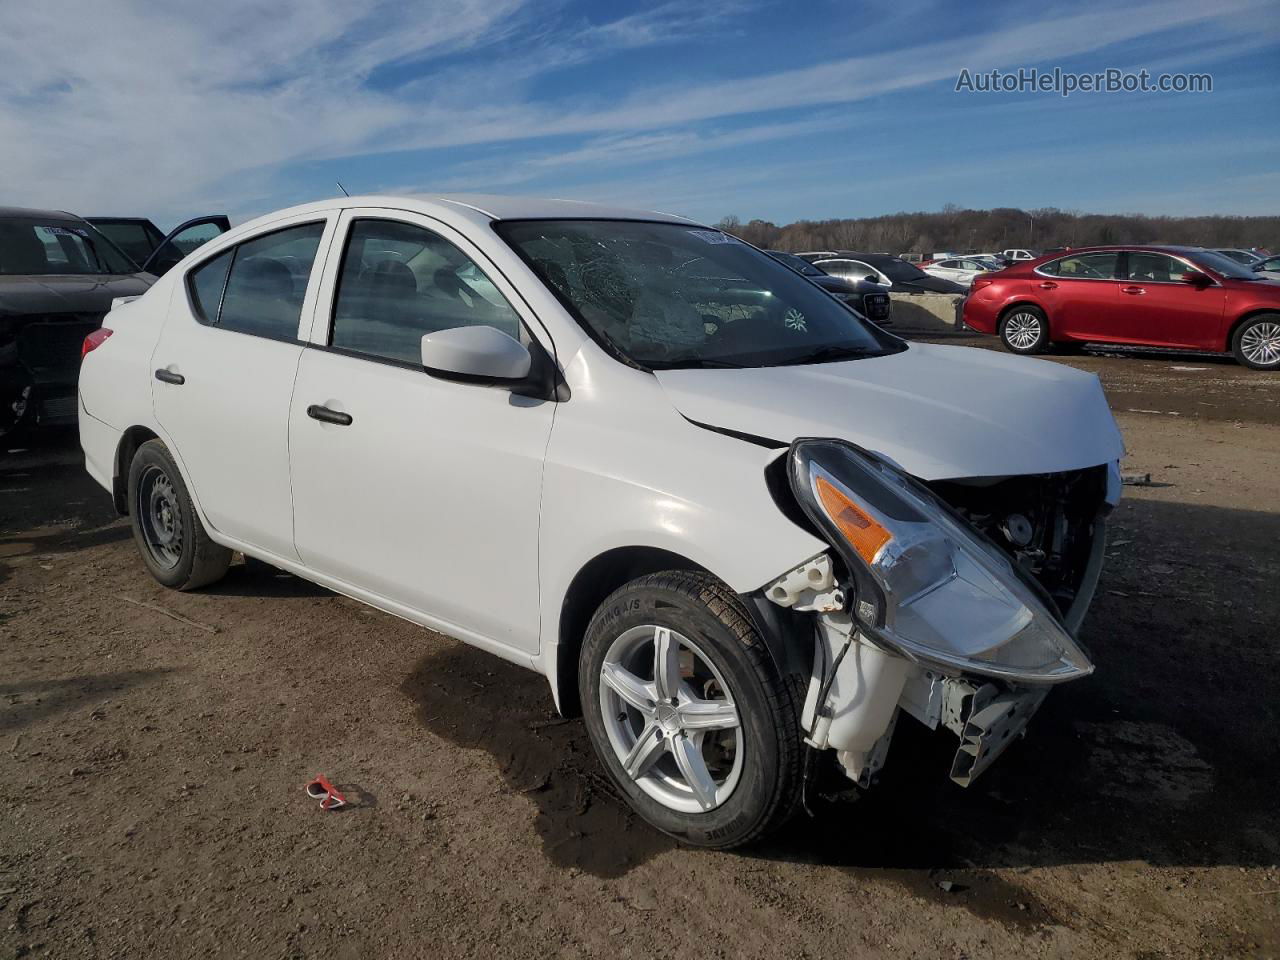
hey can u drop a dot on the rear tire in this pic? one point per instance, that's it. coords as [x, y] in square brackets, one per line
[1256, 343]
[1025, 330]
[173, 542]
[719, 763]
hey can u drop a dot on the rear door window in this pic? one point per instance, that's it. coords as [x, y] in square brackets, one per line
[258, 286]
[1084, 266]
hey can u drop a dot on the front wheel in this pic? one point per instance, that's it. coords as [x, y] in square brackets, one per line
[687, 712]
[1256, 343]
[1025, 330]
[173, 542]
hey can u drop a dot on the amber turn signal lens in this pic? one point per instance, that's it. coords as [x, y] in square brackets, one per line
[863, 533]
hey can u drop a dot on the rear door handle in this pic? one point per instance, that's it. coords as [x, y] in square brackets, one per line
[1135, 291]
[327, 415]
[168, 376]
[1048, 285]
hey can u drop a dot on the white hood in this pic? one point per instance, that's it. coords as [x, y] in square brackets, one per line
[937, 412]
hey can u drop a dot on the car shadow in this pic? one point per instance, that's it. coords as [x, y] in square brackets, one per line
[25, 702]
[1166, 755]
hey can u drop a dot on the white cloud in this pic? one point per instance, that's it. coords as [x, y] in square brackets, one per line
[130, 106]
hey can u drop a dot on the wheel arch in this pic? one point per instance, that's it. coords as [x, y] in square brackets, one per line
[787, 635]
[1008, 308]
[599, 577]
[1241, 320]
[130, 441]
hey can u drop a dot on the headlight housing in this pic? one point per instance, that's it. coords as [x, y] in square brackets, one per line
[929, 585]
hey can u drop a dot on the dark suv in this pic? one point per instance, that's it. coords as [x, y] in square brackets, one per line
[869, 299]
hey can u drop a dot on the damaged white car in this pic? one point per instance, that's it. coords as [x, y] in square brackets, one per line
[739, 527]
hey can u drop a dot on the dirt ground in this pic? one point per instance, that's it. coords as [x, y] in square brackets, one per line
[154, 747]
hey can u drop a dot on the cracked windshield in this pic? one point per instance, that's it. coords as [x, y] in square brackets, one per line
[666, 295]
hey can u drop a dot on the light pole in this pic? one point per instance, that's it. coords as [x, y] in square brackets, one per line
[1032, 235]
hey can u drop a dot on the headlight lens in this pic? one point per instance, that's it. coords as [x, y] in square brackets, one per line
[928, 584]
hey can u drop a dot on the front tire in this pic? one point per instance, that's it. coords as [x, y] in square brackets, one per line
[688, 713]
[1256, 343]
[173, 542]
[1025, 330]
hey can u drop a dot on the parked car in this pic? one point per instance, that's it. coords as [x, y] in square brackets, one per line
[959, 270]
[869, 299]
[1246, 258]
[893, 274]
[152, 250]
[1183, 297]
[741, 535]
[1268, 268]
[1019, 253]
[58, 276]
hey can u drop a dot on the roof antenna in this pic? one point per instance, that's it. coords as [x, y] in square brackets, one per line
[342, 188]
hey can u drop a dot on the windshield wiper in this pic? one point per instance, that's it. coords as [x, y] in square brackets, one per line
[830, 354]
[696, 363]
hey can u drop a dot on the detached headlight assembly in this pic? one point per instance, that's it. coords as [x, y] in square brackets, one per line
[928, 585]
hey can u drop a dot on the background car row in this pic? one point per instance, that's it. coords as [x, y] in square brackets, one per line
[58, 276]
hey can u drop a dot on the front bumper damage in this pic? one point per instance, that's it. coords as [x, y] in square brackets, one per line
[858, 689]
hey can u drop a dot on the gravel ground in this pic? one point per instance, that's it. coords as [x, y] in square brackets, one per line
[154, 747]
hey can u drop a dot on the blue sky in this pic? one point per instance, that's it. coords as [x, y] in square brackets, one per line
[758, 109]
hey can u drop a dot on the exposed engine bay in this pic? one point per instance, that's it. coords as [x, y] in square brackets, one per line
[1047, 522]
[1051, 525]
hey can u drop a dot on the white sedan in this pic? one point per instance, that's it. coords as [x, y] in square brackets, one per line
[735, 525]
[961, 270]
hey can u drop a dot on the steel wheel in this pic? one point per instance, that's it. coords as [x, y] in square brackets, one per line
[671, 719]
[1260, 343]
[1022, 330]
[160, 515]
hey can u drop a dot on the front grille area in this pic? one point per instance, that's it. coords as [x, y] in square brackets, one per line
[876, 305]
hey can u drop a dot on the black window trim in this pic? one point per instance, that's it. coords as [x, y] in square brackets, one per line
[188, 280]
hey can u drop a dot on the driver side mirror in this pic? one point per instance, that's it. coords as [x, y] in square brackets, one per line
[872, 278]
[1196, 278]
[475, 353]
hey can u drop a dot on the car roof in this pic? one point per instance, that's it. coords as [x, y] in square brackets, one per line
[483, 208]
[1141, 247]
[33, 214]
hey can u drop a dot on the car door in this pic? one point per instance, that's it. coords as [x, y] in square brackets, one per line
[136, 236]
[1157, 307]
[1078, 293]
[184, 238]
[224, 369]
[945, 269]
[419, 491]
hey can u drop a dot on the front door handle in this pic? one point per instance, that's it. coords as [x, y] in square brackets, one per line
[1048, 285]
[168, 376]
[1133, 291]
[326, 415]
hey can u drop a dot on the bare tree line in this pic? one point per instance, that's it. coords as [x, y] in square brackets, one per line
[954, 229]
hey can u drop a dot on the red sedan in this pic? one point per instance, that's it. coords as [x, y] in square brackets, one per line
[1181, 297]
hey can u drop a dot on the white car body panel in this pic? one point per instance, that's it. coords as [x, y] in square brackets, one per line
[495, 504]
[954, 274]
[919, 409]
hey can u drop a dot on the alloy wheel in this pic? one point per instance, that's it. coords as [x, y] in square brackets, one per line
[160, 516]
[1261, 343]
[1022, 330]
[671, 719]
